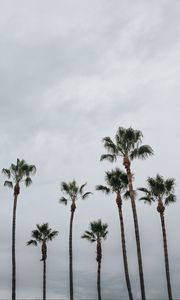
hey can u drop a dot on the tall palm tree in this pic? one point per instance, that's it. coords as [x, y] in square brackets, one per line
[72, 191]
[127, 145]
[162, 191]
[16, 174]
[117, 182]
[96, 233]
[42, 234]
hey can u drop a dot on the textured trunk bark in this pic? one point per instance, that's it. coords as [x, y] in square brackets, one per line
[16, 193]
[166, 255]
[73, 207]
[136, 226]
[99, 257]
[44, 279]
[123, 242]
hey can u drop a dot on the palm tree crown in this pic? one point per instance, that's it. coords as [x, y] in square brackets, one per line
[159, 189]
[42, 233]
[127, 144]
[19, 172]
[73, 191]
[97, 231]
[116, 181]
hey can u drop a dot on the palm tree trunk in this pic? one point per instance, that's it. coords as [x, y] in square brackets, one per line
[16, 192]
[99, 257]
[136, 226]
[123, 242]
[44, 279]
[73, 207]
[166, 256]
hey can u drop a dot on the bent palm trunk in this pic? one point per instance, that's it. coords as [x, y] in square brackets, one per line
[166, 255]
[123, 242]
[99, 257]
[136, 226]
[16, 193]
[73, 207]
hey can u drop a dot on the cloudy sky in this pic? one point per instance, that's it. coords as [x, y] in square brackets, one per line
[71, 72]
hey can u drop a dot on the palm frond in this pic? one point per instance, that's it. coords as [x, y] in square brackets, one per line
[109, 157]
[86, 195]
[170, 199]
[52, 235]
[169, 185]
[146, 199]
[141, 152]
[8, 183]
[28, 181]
[109, 145]
[32, 242]
[103, 188]
[6, 172]
[63, 200]
[82, 188]
[65, 187]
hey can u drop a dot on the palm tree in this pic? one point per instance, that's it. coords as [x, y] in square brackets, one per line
[96, 233]
[162, 191]
[16, 174]
[73, 191]
[42, 234]
[117, 182]
[128, 146]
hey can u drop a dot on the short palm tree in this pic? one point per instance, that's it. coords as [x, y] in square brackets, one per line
[16, 174]
[41, 235]
[128, 146]
[117, 182]
[73, 192]
[162, 191]
[96, 233]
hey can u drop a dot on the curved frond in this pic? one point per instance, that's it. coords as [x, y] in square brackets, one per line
[109, 145]
[52, 235]
[103, 188]
[170, 199]
[86, 195]
[64, 187]
[146, 199]
[32, 242]
[109, 157]
[141, 152]
[82, 188]
[7, 173]
[169, 185]
[28, 181]
[63, 200]
[8, 183]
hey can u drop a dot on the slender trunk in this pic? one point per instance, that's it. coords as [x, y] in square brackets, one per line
[44, 279]
[16, 193]
[136, 226]
[73, 207]
[99, 257]
[161, 209]
[123, 242]
[44, 257]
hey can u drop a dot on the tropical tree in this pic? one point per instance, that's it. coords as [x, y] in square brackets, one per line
[17, 173]
[73, 192]
[162, 191]
[117, 182]
[41, 235]
[128, 146]
[96, 233]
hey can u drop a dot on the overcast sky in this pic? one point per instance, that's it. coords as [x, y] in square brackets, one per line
[71, 72]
